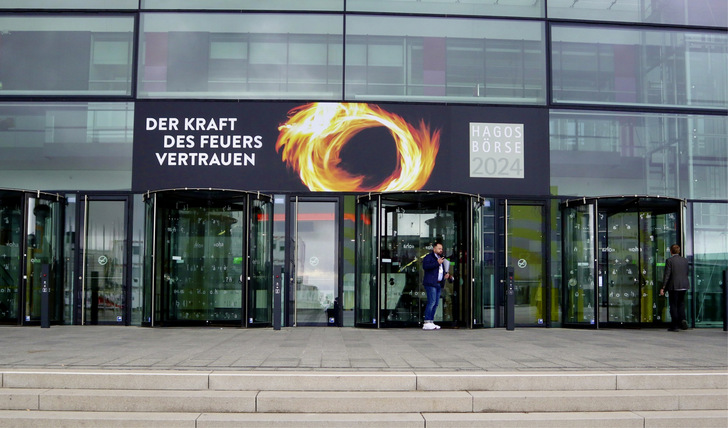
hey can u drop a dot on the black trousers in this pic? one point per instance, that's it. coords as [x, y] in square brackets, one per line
[677, 307]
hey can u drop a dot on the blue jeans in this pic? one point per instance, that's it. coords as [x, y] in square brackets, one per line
[433, 298]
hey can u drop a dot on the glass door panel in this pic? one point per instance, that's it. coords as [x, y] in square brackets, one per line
[579, 265]
[660, 230]
[367, 257]
[203, 262]
[633, 248]
[633, 239]
[43, 248]
[261, 269]
[478, 291]
[316, 270]
[525, 253]
[408, 235]
[104, 264]
[621, 299]
[11, 226]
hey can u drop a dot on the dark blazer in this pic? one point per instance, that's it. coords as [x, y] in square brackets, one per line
[676, 274]
[431, 268]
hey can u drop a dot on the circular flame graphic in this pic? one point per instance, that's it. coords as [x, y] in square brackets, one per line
[312, 139]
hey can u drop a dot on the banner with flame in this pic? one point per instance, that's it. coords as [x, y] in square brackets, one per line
[272, 146]
[312, 139]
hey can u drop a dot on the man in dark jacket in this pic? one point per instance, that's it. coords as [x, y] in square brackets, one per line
[676, 283]
[435, 275]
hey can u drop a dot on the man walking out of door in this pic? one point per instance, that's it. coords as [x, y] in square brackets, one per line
[435, 275]
[676, 283]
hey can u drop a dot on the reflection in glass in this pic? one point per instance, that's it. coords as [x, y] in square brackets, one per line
[366, 288]
[43, 249]
[409, 237]
[484, 290]
[104, 262]
[350, 261]
[138, 247]
[488, 239]
[66, 145]
[260, 267]
[80, 55]
[555, 264]
[237, 5]
[678, 12]
[525, 255]
[603, 154]
[240, 56]
[518, 8]
[11, 226]
[710, 260]
[317, 270]
[204, 261]
[631, 237]
[579, 265]
[445, 59]
[608, 66]
[620, 298]
[633, 247]
[70, 4]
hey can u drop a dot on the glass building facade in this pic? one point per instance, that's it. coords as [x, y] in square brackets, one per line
[170, 161]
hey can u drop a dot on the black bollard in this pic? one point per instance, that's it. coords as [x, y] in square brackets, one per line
[277, 295]
[45, 291]
[510, 301]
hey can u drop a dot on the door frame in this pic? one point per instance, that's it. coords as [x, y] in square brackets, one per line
[82, 200]
[291, 253]
[502, 258]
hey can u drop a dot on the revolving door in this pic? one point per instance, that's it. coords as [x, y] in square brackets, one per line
[394, 233]
[614, 258]
[208, 261]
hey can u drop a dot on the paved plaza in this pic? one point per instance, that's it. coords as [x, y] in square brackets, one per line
[342, 349]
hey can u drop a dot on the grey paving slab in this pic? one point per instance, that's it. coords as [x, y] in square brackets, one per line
[324, 348]
[25, 419]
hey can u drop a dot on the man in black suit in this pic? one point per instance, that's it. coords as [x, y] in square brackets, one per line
[676, 283]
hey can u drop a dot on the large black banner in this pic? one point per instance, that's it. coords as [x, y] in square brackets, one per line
[346, 147]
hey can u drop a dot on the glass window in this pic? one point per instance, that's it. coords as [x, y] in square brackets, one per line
[600, 154]
[520, 8]
[639, 67]
[710, 259]
[679, 12]
[241, 56]
[66, 55]
[310, 5]
[438, 59]
[66, 145]
[69, 4]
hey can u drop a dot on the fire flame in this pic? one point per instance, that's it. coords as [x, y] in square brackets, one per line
[312, 139]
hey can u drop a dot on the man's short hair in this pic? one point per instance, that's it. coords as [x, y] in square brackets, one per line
[674, 249]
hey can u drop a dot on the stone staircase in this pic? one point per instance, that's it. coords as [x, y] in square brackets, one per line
[196, 399]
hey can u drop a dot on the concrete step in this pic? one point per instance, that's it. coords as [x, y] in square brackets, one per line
[646, 419]
[361, 381]
[199, 399]
[109, 400]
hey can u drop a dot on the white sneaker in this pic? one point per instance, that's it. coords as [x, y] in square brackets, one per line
[429, 326]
